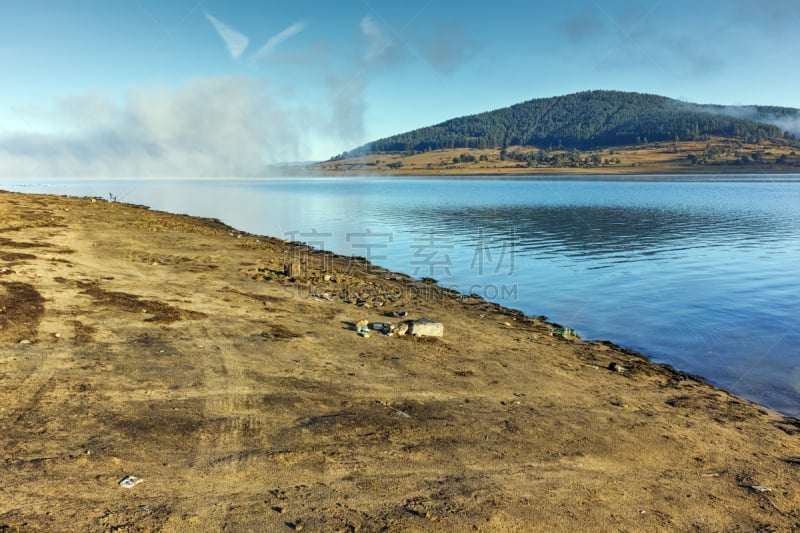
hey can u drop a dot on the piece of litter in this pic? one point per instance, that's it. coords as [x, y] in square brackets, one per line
[564, 332]
[760, 488]
[129, 482]
[362, 327]
[425, 328]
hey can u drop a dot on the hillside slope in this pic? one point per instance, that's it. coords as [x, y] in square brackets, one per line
[591, 119]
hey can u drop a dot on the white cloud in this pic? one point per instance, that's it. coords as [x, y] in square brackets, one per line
[347, 108]
[787, 122]
[213, 127]
[209, 127]
[235, 42]
[378, 44]
[277, 39]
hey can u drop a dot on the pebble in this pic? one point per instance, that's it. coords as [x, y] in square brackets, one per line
[616, 367]
[129, 482]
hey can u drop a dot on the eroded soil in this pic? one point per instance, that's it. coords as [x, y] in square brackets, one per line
[174, 349]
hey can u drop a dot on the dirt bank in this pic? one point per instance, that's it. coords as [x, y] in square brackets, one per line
[173, 349]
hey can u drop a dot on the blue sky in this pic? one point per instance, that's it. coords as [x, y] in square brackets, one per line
[214, 88]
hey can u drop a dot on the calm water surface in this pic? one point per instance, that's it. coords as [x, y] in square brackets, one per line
[701, 273]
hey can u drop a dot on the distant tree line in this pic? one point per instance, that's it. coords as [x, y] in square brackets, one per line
[583, 121]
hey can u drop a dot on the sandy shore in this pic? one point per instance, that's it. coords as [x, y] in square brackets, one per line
[173, 349]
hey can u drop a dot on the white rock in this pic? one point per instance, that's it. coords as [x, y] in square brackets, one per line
[426, 328]
[129, 482]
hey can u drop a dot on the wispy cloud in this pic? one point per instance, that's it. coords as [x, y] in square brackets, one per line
[445, 46]
[379, 45]
[789, 121]
[348, 107]
[273, 42]
[771, 15]
[235, 42]
[213, 127]
[630, 37]
[583, 26]
[219, 126]
[450, 47]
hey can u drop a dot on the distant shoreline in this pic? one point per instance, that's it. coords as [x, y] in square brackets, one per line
[569, 172]
[557, 174]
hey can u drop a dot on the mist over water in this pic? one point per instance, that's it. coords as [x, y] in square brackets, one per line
[700, 273]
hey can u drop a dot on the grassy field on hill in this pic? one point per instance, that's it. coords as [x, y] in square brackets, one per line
[714, 154]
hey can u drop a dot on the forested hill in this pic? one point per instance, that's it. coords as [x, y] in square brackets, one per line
[590, 120]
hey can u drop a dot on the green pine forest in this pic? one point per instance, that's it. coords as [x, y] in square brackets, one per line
[591, 120]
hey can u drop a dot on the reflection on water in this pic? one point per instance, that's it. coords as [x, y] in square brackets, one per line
[700, 273]
[610, 232]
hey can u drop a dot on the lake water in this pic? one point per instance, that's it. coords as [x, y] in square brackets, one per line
[697, 271]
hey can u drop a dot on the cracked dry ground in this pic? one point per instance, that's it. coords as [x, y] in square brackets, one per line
[171, 348]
